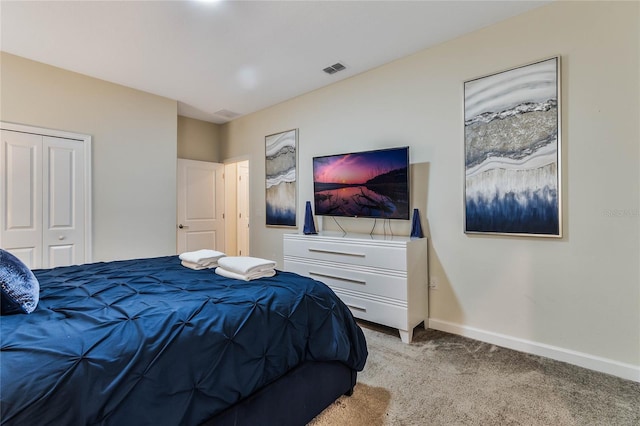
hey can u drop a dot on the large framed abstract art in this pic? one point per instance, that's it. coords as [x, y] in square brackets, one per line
[280, 167]
[512, 151]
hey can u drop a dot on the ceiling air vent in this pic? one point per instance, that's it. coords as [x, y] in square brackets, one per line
[227, 114]
[334, 68]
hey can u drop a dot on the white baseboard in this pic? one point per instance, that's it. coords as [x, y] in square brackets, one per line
[603, 365]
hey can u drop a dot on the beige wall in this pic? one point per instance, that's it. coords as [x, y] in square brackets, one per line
[577, 296]
[198, 140]
[134, 150]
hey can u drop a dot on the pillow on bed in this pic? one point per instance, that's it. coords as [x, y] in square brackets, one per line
[20, 288]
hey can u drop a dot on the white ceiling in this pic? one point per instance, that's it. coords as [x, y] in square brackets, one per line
[239, 56]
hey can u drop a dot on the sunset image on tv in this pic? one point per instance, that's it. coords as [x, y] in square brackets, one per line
[363, 184]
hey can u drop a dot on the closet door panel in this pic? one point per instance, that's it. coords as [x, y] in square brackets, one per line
[63, 205]
[61, 255]
[21, 195]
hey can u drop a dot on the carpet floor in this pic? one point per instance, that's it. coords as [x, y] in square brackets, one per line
[445, 379]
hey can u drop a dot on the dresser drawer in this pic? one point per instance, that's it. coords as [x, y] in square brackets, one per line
[345, 277]
[386, 256]
[381, 278]
[375, 311]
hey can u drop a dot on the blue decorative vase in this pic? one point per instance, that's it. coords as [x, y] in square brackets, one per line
[416, 228]
[309, 226]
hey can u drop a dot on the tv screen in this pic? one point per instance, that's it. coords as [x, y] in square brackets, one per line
[372, 184]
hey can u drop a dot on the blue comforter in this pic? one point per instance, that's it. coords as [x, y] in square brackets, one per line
[151, 342]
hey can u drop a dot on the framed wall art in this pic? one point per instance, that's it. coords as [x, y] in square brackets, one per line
[512, 151]
[280, 167]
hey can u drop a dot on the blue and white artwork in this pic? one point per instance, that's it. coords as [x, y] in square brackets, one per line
[281, 178]
[511, 127]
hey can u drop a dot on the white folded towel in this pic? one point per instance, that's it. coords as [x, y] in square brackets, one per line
[198, 266]
[245, 277]
[244, 265]
[202, 257]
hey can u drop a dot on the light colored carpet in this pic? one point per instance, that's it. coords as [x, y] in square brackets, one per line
[444, 379]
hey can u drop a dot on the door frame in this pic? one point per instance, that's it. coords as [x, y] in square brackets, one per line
[88, 179]
[231, 225]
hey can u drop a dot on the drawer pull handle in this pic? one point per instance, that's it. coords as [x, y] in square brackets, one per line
[357, 308]
[346, 253]
[351, 280]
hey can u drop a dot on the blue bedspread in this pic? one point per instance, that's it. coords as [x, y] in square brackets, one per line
[151, 342]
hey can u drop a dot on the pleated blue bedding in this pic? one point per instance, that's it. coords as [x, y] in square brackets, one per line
[149, 341]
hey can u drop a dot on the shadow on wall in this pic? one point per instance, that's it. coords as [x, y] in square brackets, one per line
[443, 301]
[442, 296]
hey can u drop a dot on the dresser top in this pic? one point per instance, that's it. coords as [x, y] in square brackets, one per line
[339, 236]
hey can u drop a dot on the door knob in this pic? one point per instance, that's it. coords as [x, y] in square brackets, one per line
[181, 226]
[61, 237]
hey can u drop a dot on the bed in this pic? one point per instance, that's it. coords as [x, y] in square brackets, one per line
[149, 341]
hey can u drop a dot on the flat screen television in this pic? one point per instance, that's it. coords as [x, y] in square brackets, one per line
[373, 184]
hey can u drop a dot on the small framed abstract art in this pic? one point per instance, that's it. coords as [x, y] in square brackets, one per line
[280, 170]
[512, 151]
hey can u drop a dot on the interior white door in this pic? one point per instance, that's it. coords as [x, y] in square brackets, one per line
[43, 199]
[243, 208]
[21, 188]
[200, 209]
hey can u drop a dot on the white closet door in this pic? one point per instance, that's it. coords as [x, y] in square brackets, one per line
[43, 193]
[21, 189]
[63, 202]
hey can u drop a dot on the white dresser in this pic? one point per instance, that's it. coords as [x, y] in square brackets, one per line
[381, 279]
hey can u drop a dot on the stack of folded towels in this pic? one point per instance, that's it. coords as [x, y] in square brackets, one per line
[201, 259]
[245, 268]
